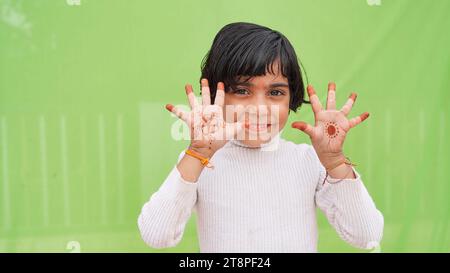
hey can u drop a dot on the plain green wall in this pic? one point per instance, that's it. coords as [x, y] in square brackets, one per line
[85, 138]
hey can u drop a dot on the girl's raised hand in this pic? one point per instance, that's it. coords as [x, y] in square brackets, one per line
[209, 131]
[331, 126]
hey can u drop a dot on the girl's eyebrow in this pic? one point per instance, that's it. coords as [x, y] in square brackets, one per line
[272, 85]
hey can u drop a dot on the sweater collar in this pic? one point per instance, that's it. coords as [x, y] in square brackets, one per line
[271, 145]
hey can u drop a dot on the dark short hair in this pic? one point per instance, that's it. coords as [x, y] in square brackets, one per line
[248, 50]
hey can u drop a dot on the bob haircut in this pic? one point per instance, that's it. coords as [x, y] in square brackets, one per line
[241, 51]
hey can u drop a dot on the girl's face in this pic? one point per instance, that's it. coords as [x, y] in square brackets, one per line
[262, 103]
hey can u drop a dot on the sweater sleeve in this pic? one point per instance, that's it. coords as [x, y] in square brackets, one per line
[349, 208]
[163, 218]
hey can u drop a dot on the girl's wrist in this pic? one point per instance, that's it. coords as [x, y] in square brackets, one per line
[332, 161]
[204, 152]
[343, 171]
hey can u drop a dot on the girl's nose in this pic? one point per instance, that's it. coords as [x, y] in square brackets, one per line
[260, 99]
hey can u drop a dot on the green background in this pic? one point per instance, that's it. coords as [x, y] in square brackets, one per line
[85, 138]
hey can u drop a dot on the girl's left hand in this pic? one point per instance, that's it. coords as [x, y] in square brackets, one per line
[331, 126]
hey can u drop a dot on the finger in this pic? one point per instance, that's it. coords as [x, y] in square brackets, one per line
[315, 102]
[358, 119]
[303, 126]
[349, 104]
[191, 96]
[206, 96]
[331, 98]
[178, 112]
[220, 94]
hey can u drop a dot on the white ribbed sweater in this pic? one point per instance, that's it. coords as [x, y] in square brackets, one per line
[261, 200]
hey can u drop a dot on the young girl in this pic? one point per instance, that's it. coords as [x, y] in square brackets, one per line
[252, 190]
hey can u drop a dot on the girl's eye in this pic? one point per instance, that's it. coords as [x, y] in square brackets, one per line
[241, 92]
[276, 93]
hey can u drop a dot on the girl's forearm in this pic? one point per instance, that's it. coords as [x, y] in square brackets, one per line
[190, 167]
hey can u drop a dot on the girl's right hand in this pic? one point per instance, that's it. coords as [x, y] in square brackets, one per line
[209, 131]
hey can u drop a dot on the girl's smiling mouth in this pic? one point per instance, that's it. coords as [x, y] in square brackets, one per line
[257, 127]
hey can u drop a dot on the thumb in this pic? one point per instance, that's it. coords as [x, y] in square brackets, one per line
[303, 126]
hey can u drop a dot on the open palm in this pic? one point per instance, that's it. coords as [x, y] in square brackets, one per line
[331, 125]
[207, 125]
